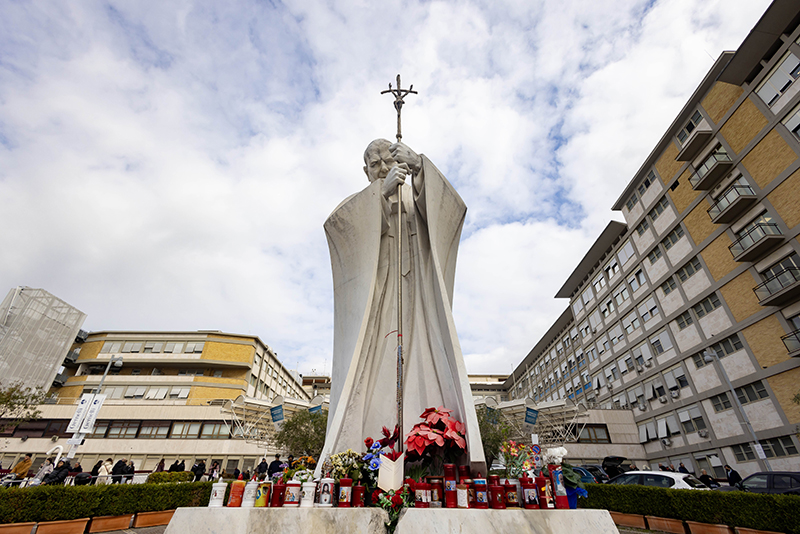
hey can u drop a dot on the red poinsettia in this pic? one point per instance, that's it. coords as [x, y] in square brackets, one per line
[389, 438]
[438, 434]
[434, 415]
[393, 455]
[455, 431]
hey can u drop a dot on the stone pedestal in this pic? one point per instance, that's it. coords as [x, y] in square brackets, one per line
[371, 521]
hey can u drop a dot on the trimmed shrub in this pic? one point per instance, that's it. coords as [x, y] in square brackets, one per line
[758, 511]
[55, 503]
[167, 477]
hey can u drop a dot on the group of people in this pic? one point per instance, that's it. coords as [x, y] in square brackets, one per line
[50, 472]
[108, 472]
[733, 477]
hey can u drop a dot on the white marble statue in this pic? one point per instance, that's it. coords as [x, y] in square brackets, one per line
[361, 235]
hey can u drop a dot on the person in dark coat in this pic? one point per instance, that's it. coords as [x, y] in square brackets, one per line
[199, 470]
[262, 469]
[160, 467]
[274, 466]
[734, 478]
[96, 471]
[58, 475]
[119, 469]
[130, 470]
[174, 467]
[706, 479]
[182, 466]
[236, 474]
[682, 469]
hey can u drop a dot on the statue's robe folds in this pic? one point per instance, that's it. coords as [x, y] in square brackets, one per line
[361, 234]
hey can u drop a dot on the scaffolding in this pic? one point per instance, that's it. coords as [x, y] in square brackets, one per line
[557, 423]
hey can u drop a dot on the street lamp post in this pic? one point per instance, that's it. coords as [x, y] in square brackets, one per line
[78, 437]
[709, 356]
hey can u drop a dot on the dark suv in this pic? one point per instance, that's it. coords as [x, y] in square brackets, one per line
[787, 482]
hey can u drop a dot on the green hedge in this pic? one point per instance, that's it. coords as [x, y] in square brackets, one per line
[54, 503]
[166, 477]
[778, 513]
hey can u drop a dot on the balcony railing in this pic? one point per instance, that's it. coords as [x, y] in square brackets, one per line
[731, 203]
[780, 288]
[694, 143]
[792, 342]
[757, 240]
[711, 170]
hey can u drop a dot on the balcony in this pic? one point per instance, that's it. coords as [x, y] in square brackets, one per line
[792, 342]
[731, 204]
[694, 143]
[758, 240]
[779, 289]
[711, 170]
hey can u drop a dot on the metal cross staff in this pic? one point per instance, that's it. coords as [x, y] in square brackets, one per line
[398, 105]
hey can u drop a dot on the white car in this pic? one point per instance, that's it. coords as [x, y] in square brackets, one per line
[659, 479]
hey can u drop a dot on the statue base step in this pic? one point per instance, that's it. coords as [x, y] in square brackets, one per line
[371, 521]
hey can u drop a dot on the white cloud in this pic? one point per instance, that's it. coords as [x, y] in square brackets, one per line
[170, 165]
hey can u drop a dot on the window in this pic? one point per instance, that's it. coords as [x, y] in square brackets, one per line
[631, 322]
[214, 431]
[632, 202]
[599, 283]
[693, 123]
[185, 430]
[625, 252]
[780, 79]
[152, 346]
[585, 329]
[594, 434]
[723, 348]
[173, 348]
[611, 269]
[720, 402]
[778, 447]
[99, 431]
[643, 226]
[581, 359]
[191, 372]
[131, 346]
[587, 295]
[607, 307]
[591, 354]
[112, 347]
[684, 320]
[675, 378]
[637, 280]
[672, 237]
[179, 393]
[595, 319]
[620, 294]
[122, 429]
[792, 122]
[647, 432]
[717, 155]
[577, 306]
[668, 285]
[659, 208]
[135, 372]
[654, 389]
[574, 334]
[648, 180]
[751, 392]
[654, 255]
[661, 342]
[743, 452]
[625, 364]
[154, 429]
[688, 270]
[641, 353]
[157, 393]
[707, 305]
[616, 334]
[611, 372]
[196, 347]
[135, 392]
[789, 263]
[763, 218]
[648, 309]
[691, 420]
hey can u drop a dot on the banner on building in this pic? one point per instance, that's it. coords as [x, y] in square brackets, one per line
[80, 412]
[91, 414]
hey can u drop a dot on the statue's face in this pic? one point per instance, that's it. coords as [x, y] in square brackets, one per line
[378, 161]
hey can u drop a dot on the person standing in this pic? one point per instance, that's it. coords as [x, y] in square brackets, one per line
[706, 479]
[130, 470]
[96, 471]
[181, 466]
[174, 467]
[199, 470]
[262, 469]
[734, 478]
[274, 466]
[160, 467]
[104, 473]
[682, 469]
[118, 470]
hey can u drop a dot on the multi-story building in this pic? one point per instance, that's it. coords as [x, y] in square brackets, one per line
[707, 259]
[36, 329]
[164, 401]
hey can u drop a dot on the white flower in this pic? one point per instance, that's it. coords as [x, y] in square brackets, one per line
[554, 456]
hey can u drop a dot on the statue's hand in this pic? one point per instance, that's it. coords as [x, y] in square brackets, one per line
[396, 177]
[402, 154]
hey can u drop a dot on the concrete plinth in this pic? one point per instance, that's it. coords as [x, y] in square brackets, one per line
[277, 521]
[371, 521]
[445, 521]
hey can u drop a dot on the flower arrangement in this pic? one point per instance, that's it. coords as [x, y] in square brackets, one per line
[518, 458]
[279, 477]
[302, 469]
[439, 437]
[345, 464]
[393, 502]
[554, 456]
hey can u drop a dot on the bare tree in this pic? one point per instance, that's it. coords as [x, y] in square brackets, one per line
[18, 404]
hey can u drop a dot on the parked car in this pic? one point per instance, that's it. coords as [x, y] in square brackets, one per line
[787, 482]
[597, 471]
[659, 479]
[586, 476]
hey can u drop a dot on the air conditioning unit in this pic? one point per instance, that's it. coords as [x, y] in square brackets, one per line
[675, 393]
[648, 363]
[610, 386]
[666, 442]
[702, 433]
[81, 337]
[54, 438]
[639, 368]
[71, 356]
[59, 380]
[642, 407]
[662, 399]
[594, 330]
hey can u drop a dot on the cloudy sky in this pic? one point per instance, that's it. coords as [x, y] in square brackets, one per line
[169, 165]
